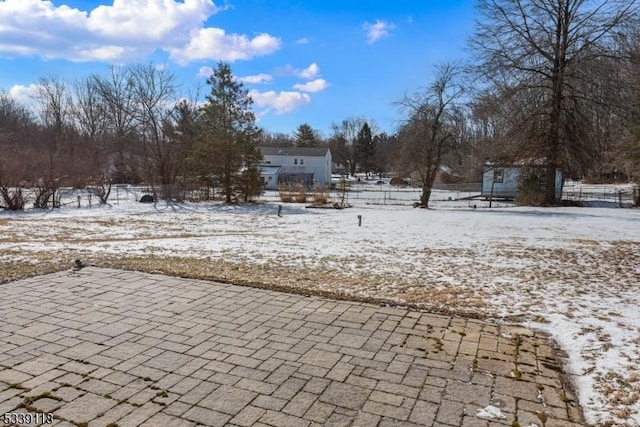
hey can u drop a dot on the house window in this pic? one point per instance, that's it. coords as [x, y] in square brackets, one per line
[302, 161]
[295, 161]
[498, 175]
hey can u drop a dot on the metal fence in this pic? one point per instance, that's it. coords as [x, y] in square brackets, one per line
[386, 194]
[627, 196]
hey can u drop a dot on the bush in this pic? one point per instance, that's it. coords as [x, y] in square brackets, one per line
[400, 182]
[285, 193]
[299, 193]
[12, 199]
[296, 193]
[320, 194]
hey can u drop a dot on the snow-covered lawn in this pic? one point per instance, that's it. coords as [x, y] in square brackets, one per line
[574, 272]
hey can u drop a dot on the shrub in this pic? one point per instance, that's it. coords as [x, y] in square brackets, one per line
[299, 193]
[296, 193]
[285, 193]
[320, 194]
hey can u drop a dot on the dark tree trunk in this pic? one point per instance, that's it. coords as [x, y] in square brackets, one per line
[426, 194]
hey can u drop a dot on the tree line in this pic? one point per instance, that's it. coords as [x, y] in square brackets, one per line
[129, 126]
[552, 85]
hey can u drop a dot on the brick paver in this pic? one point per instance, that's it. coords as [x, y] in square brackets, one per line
[107, 347]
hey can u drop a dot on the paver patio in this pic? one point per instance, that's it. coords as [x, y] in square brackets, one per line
[109, 347]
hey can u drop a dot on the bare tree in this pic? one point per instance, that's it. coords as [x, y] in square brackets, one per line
[155, 93]
[629, 149]
[433, 127]
[539, 50]
[117, 94]
[13, 181]
[18, 133]
[55, 107]
[276, 139]
[89, 115]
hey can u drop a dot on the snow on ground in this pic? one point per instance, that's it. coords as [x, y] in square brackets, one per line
[573, 272]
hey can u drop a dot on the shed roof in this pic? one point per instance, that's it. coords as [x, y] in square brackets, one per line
[268, 169]
[294, 151]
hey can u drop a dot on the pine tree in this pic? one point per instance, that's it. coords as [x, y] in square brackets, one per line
[365, 149]
[229, 138]
[306, 136]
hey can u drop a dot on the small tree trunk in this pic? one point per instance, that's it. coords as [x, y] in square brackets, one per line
[550, 185]
[426, 194]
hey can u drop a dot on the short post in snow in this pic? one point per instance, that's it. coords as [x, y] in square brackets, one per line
[79, 201]
[279, 210]
[359, 220]
[619, 198]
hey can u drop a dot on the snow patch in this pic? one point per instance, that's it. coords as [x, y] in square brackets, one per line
[491, 413]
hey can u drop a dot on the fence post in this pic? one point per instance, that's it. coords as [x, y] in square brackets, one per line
[619, 198]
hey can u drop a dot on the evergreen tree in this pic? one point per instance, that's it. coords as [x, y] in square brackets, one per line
[228, 142]
[306, 136]
[365, 149]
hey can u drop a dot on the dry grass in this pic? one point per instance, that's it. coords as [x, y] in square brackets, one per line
[311, 281]
[34, 264]
[320, 194]
[292, 193]
[285, 193]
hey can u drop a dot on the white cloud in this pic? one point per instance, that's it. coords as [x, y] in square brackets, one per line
[125, 30]
[316, 85]
[302, 40]
[281, 102]
[312, 71]
[101, 53]
[147, 20]
[31, 27]
[205, 71]
[214, 43]
[257, 78]
[377, 30]
[25, 95]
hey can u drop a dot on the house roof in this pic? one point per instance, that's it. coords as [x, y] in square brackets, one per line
[294, 151]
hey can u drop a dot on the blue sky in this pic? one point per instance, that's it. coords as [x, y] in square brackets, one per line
[313, 61]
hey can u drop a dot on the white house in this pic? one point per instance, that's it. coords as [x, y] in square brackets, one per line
[286, 165]
[500, 181]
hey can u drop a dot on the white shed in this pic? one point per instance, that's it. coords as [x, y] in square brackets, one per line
[501, 181]
[295, 164]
